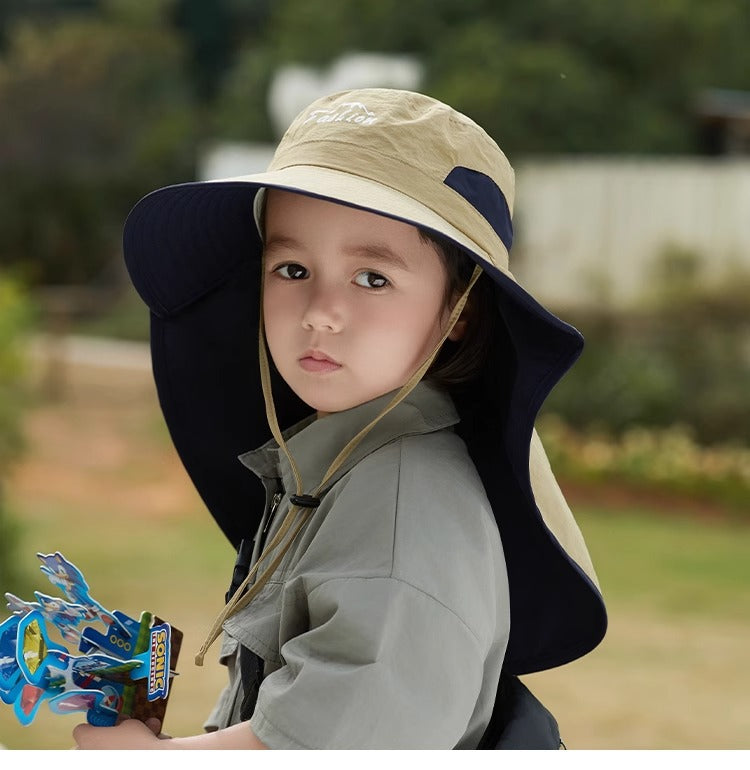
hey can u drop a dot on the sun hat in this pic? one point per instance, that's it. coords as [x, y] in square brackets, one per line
[193, 252]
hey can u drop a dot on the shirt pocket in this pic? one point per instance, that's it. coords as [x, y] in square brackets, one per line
[257, 625]
[228, 649]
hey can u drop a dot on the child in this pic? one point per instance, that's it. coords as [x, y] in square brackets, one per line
[401, 538]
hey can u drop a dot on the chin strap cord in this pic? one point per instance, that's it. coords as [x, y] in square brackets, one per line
[303, 505]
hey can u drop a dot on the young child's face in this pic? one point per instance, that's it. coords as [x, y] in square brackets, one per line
[353, 302]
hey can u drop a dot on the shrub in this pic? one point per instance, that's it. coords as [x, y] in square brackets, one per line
[684, 358]
[665, 459]
[14, 320]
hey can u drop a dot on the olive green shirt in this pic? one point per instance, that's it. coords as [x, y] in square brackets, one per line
[386, 624]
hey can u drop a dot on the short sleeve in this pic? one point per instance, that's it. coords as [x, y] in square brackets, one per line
[384, 665]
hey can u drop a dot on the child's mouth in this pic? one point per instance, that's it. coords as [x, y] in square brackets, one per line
[321, 365]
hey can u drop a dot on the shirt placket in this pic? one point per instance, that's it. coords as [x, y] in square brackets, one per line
[250, 549]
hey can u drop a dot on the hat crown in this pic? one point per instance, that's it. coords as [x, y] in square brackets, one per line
[416, 145]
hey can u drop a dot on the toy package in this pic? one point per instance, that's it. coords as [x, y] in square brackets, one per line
[120, 665]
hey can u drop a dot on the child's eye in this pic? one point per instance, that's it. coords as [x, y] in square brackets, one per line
[369, 280]
[292, 271]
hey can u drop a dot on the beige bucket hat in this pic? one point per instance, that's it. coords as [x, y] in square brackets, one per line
[193, 252]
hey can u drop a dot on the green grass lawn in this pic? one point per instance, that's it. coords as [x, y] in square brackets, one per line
[669, 564]
[672, 671]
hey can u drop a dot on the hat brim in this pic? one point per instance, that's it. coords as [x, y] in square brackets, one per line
[369, 195]
[193, 253]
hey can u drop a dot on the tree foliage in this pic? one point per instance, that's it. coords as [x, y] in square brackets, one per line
[94, 114]
[544, 75]
[103, 100]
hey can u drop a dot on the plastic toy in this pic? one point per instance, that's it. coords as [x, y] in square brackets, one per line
[124, 668]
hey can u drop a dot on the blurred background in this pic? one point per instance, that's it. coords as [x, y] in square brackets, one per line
[628, 124]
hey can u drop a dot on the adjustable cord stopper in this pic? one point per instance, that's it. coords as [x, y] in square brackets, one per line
[305, 501]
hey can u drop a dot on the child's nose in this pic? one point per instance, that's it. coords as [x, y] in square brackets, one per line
[324, 311]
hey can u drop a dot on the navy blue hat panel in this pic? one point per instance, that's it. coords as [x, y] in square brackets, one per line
[486, 197]
[182, 242]
[573, 608]
[205, 364]
[533, 350]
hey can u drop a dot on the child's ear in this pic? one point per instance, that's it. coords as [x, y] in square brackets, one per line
[459, 328]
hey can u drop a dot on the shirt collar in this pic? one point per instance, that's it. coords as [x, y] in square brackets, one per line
[314, 444]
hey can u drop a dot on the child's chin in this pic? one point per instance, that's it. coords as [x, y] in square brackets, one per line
[324, 404]
[327, 407]
[327, 398]
[318, 402]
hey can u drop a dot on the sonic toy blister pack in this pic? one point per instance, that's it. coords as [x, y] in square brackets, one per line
[125, 665]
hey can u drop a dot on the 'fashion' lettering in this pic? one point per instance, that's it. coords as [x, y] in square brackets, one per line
[349, 112]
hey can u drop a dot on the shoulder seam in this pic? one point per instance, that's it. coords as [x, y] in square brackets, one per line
[405, 583]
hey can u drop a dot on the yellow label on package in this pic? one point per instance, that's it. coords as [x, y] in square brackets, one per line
[158, 676]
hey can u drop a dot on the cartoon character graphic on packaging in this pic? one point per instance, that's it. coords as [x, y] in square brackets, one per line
[64, 616]
[125, 668]
[66, 576]
[19, 606]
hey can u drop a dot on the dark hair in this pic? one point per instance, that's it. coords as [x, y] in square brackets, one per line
[461, 362]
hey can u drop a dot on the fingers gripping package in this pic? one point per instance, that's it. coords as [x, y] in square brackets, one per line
[120, 667]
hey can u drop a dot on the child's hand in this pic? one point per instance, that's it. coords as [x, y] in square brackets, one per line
[128, 734]
[153, 724]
